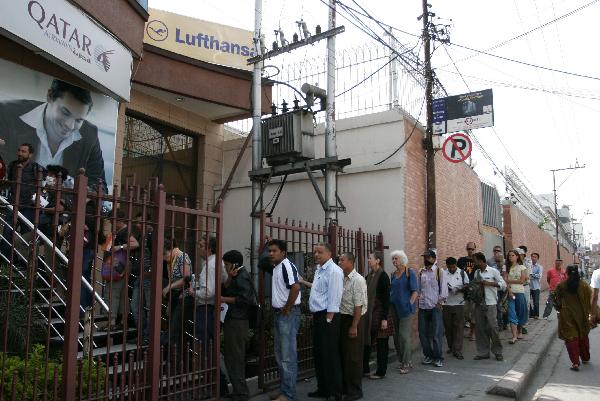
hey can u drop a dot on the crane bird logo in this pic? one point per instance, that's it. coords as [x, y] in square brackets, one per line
[157, 30]
[101, 57]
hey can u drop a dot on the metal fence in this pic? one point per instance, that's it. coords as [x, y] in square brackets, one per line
[301, 238]
[369, 79]
[69, 278]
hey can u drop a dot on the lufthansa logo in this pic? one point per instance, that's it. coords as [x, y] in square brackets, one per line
[157, 30]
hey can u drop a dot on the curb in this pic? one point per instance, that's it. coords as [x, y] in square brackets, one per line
[513, 383]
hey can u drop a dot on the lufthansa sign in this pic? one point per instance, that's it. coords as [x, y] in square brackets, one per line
[69, 37]
[200, 40]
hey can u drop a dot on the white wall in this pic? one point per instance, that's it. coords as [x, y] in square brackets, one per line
[372, 194]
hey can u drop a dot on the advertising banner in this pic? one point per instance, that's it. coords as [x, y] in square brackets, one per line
[66, 125]
[70, 38]
[200, 40]
[462, 112]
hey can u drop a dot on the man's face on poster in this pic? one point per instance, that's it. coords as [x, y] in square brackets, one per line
[64, 116]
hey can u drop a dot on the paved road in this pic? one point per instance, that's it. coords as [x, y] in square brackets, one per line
[465, 380]
[556, 382]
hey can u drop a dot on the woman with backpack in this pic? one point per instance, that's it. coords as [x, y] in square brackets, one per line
[404, 290]
[517, 304]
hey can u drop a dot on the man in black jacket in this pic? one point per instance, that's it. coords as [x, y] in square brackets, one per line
[238, 293]
[57, 129]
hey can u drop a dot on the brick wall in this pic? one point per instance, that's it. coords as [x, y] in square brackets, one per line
[415, 213]
[459, 204]
[459, 208]
[521, 230]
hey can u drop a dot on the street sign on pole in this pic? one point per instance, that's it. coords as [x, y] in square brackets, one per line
[461, 112]
[457, 148]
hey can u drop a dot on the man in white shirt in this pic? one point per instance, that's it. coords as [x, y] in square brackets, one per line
[486, 330]
[285, 302]
[537, 271]
[352, 308]
[453, 311]
[204, 294]
[324, 302]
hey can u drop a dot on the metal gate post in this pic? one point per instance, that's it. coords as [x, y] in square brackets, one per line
[74, 273]
[360, 251]
[333, 238]
[262, 338]
[380, 243]
[158, 239]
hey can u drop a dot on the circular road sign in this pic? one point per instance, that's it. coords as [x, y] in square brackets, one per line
[457, 148]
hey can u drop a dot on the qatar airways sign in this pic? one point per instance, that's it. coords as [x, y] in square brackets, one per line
[69, 37]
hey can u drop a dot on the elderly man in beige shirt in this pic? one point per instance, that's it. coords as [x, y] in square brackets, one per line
[353, 306]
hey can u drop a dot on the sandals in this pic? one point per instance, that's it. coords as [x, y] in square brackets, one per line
[575, 367]
[403, 371]
[513, 341]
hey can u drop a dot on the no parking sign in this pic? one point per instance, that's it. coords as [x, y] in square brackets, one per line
[457, 148]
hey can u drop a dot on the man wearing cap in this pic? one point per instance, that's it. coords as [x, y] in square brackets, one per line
[467, 264]
[497, 262]
[433, 291]
[238, 293]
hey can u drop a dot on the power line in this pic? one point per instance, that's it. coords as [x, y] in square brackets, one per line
[526, 63]
[522, 35]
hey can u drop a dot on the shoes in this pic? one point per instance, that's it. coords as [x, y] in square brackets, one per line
[317, 394]
[427, 361]
[512, 341]
[467, 325]
[449, 351]
[524, 330]
[480, 357]
[275, 395]
[282, 398]
[335, 398]
[376, 377]
[438, 363]
[499, 357]
[458, 355]
[575, 367]
[353, 397]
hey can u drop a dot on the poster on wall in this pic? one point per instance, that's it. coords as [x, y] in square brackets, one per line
[66, 125]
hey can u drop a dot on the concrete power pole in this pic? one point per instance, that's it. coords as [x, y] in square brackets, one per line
[330, 139]
[430, 153]
[256, 141]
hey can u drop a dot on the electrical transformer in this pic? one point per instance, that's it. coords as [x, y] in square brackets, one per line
[288, 137]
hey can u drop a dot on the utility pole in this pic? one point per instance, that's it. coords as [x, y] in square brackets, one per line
[393, 72]
[330, 136]
[556, 220]
[256, 142]
[430, 153]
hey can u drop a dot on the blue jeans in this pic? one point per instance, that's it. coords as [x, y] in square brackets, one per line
[431, 332]
[141, 299]
[285, 331]
[517, 309]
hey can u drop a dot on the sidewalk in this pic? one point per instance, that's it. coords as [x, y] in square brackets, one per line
[466, 380]
[566, 385]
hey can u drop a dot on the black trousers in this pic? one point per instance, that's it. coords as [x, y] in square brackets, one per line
[383, 349]
[326, 348]
[235, 334]
[351, 349]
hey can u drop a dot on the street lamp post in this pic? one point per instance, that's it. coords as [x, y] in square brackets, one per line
[577, 166]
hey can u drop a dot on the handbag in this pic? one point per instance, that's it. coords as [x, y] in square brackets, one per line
[114, 265]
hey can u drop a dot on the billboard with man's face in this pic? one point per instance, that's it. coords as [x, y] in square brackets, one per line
[67, 125]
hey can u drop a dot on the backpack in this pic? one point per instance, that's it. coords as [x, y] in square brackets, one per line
[475, 292]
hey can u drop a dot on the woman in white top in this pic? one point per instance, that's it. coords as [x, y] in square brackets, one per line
[516, 275]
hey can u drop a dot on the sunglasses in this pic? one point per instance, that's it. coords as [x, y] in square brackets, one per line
[497, 250]
[470, 249]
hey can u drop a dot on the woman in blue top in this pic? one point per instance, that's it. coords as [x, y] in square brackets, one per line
[403, 296]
